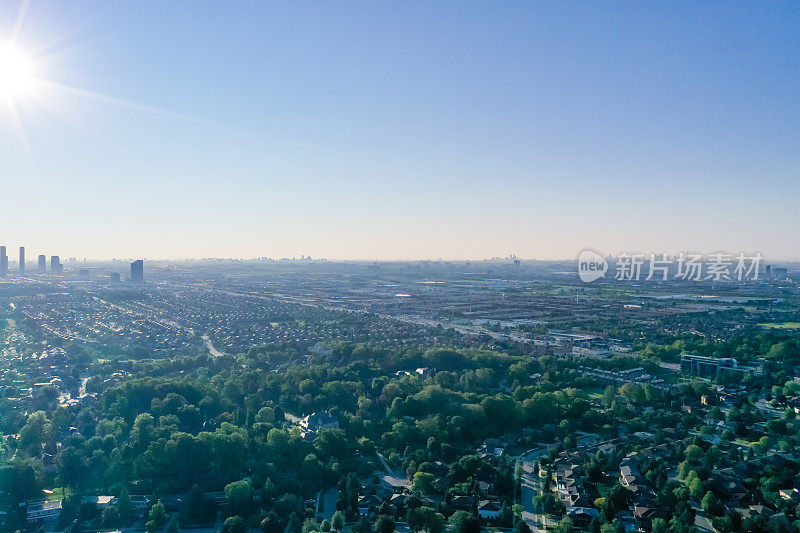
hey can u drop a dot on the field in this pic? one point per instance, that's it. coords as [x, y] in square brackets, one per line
[783, 325]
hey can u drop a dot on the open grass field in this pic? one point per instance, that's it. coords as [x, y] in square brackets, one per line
[782, 325]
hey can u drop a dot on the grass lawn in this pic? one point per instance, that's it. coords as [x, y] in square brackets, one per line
[56, 494]
[783, 325]
[594, 393]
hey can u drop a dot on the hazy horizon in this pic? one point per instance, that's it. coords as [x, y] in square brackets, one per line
[32, 255]
[412, 131]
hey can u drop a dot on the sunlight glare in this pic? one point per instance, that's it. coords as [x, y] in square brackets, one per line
[16, 74]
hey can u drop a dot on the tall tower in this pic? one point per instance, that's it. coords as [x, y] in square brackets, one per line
[137, 271]
[22, 259]
[55, 265]
[3, 261]
[42, 264]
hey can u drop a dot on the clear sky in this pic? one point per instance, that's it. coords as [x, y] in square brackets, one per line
[394, 130]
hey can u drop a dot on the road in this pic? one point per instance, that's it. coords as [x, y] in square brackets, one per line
[395, 478]
[326, 502]
[529, 484]
[385, 464]
[211, 347]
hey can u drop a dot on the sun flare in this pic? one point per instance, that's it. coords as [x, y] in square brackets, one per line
[16, 73]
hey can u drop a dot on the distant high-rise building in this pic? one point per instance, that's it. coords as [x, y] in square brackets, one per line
[42, 264]
[3, 261]
[22, 259]
[55, 265]
[137, 271]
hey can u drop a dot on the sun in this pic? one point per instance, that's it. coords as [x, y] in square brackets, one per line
[16, 73]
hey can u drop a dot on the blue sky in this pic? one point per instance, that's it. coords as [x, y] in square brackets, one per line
[403, 130]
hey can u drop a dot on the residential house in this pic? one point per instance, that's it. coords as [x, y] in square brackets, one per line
[569, 485]
[489, 509]
[102, 502]
[582, 516]
[46, 510]
[317, 421]
[463, 503]
[366, 504]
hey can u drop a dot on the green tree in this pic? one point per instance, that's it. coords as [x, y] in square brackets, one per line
[234, 524]
[384, 524]
[608, 396]
[521, 527]
[659, 525]
[143, 430]
[363, 526]
[464, 522]
[36, 431]
[415, 519]
[337, 521]
[294, 525]
[272, 523]
[125, 507]
[564, 526]
[110, 517]
[21, 478]
[309, 525]
[266, 415]
[311, 473]
[194, 507]
[709, 503]
[434, 522]
[240, 497]
[425, 518]
[69, 466]
[694, 485]
[422, 483]
[694, 453]
[157, 517]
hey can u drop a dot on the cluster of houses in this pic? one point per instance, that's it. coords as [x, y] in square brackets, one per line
[49, 511]
[643, 508]
[488, 508]
[84, 318]
[393, 494]
[569, 476]
[734, 495]
[630, 375]
[727, 483]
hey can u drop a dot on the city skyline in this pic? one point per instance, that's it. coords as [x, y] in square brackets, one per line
[704, 255]
[372, 131]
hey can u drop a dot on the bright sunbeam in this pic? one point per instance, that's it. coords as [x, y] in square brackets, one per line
[16, 73]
